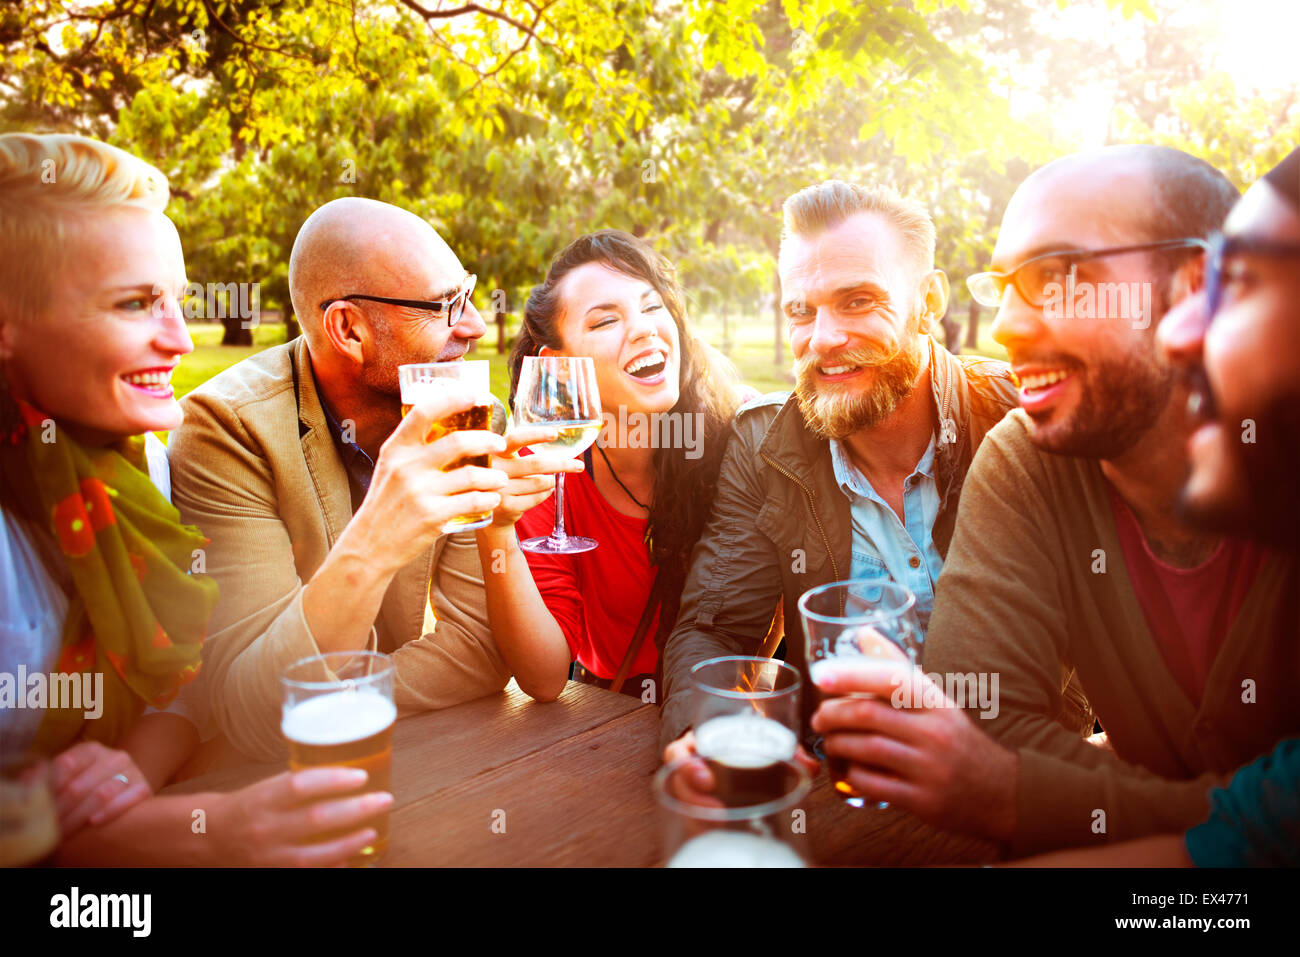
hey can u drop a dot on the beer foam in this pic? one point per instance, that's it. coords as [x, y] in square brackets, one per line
[338, 717]
[744, 740]
[721, 848]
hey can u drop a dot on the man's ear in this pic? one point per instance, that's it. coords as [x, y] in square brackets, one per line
[934, 298]
[1189, 278]
[344, 326]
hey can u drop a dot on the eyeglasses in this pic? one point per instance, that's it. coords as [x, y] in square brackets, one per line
[1032, 276]
[1222, 248]
[454, 307]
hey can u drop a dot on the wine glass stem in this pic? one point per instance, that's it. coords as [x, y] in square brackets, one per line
[557, 534]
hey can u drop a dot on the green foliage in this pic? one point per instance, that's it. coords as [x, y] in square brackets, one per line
[516, 125]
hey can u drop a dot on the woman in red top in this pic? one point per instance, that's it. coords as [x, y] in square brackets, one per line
[644, 491]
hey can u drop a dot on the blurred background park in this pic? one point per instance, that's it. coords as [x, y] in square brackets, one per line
[516, 125]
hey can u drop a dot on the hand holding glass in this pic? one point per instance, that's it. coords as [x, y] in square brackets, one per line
[418, 380]
[852, 621]
[338, 712]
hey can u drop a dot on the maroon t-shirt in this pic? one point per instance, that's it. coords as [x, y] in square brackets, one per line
[1188, 610]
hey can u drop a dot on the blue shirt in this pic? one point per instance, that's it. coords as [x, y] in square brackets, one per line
[1255, 820]
[885, 546]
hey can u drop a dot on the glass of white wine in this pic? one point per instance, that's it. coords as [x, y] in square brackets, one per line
[559, 392]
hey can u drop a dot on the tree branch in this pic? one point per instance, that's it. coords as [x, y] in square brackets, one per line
[428, 14]
[214, 17]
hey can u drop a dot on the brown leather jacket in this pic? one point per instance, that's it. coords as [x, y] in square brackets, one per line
[781, 525]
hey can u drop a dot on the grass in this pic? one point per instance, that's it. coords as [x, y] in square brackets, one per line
[751, 349]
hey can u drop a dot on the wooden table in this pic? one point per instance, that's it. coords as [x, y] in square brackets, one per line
[507, 781]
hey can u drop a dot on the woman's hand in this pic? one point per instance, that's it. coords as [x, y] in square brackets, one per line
[94, 784]
[268, 824]
[531, 477]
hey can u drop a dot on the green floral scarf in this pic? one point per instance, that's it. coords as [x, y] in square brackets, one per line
[137, 615]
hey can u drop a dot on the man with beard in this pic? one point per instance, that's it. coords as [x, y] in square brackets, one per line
[324, 513]
[858, 474]
[1238, 344]
[1072, 558]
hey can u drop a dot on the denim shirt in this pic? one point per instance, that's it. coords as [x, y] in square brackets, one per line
[885, 547]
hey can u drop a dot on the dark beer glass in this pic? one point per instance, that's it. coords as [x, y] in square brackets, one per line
[746, 717]
[849, 622]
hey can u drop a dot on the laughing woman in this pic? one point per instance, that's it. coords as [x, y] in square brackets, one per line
[95, 582]
[609, 296]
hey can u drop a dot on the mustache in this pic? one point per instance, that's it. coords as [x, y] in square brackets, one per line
[849, 357]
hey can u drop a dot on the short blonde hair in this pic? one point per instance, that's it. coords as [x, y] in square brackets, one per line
[815, 209]
[46, 181]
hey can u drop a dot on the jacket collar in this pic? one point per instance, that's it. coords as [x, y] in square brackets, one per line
[329, 479]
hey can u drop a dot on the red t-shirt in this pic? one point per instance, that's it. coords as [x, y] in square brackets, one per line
[1188, 610]
[596, 597]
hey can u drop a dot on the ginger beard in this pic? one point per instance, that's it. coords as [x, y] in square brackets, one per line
[833, 412]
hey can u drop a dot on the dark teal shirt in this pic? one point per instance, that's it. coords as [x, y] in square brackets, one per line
[1255, 820]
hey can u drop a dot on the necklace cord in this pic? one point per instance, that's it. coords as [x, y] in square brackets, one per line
[618, 480]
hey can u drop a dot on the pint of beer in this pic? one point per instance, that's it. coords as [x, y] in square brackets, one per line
[847, 623]
[339, 712]
[700, 831]
[422, 379]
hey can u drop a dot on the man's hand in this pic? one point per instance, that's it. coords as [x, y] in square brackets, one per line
[269, 824]
[94, 784]
[411, 498]
[531, 477]
[925, 756]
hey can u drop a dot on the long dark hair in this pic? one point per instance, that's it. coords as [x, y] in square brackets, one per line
[708, 385]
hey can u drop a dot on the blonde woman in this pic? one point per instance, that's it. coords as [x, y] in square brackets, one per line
[97, 581]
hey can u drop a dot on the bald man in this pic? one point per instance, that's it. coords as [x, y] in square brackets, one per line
[323, 506]
[1071, 557]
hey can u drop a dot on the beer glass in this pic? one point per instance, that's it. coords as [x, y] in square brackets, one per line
[559, 392]
[852, 621]
[699, 831]
[29, 823]
[338, 712]
[418, 380]
[746, 721]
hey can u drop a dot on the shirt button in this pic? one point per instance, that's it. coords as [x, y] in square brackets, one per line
[914, 562]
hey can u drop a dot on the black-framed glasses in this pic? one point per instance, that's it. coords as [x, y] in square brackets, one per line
[1032, 276]
[453, 308]
[1224, 247]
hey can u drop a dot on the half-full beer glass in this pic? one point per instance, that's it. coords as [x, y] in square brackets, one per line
[746, 721]
[700, 831]
[421, 379]
[852, 621]
[338, 712]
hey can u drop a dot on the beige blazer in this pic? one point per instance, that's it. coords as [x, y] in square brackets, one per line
[255, 468]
